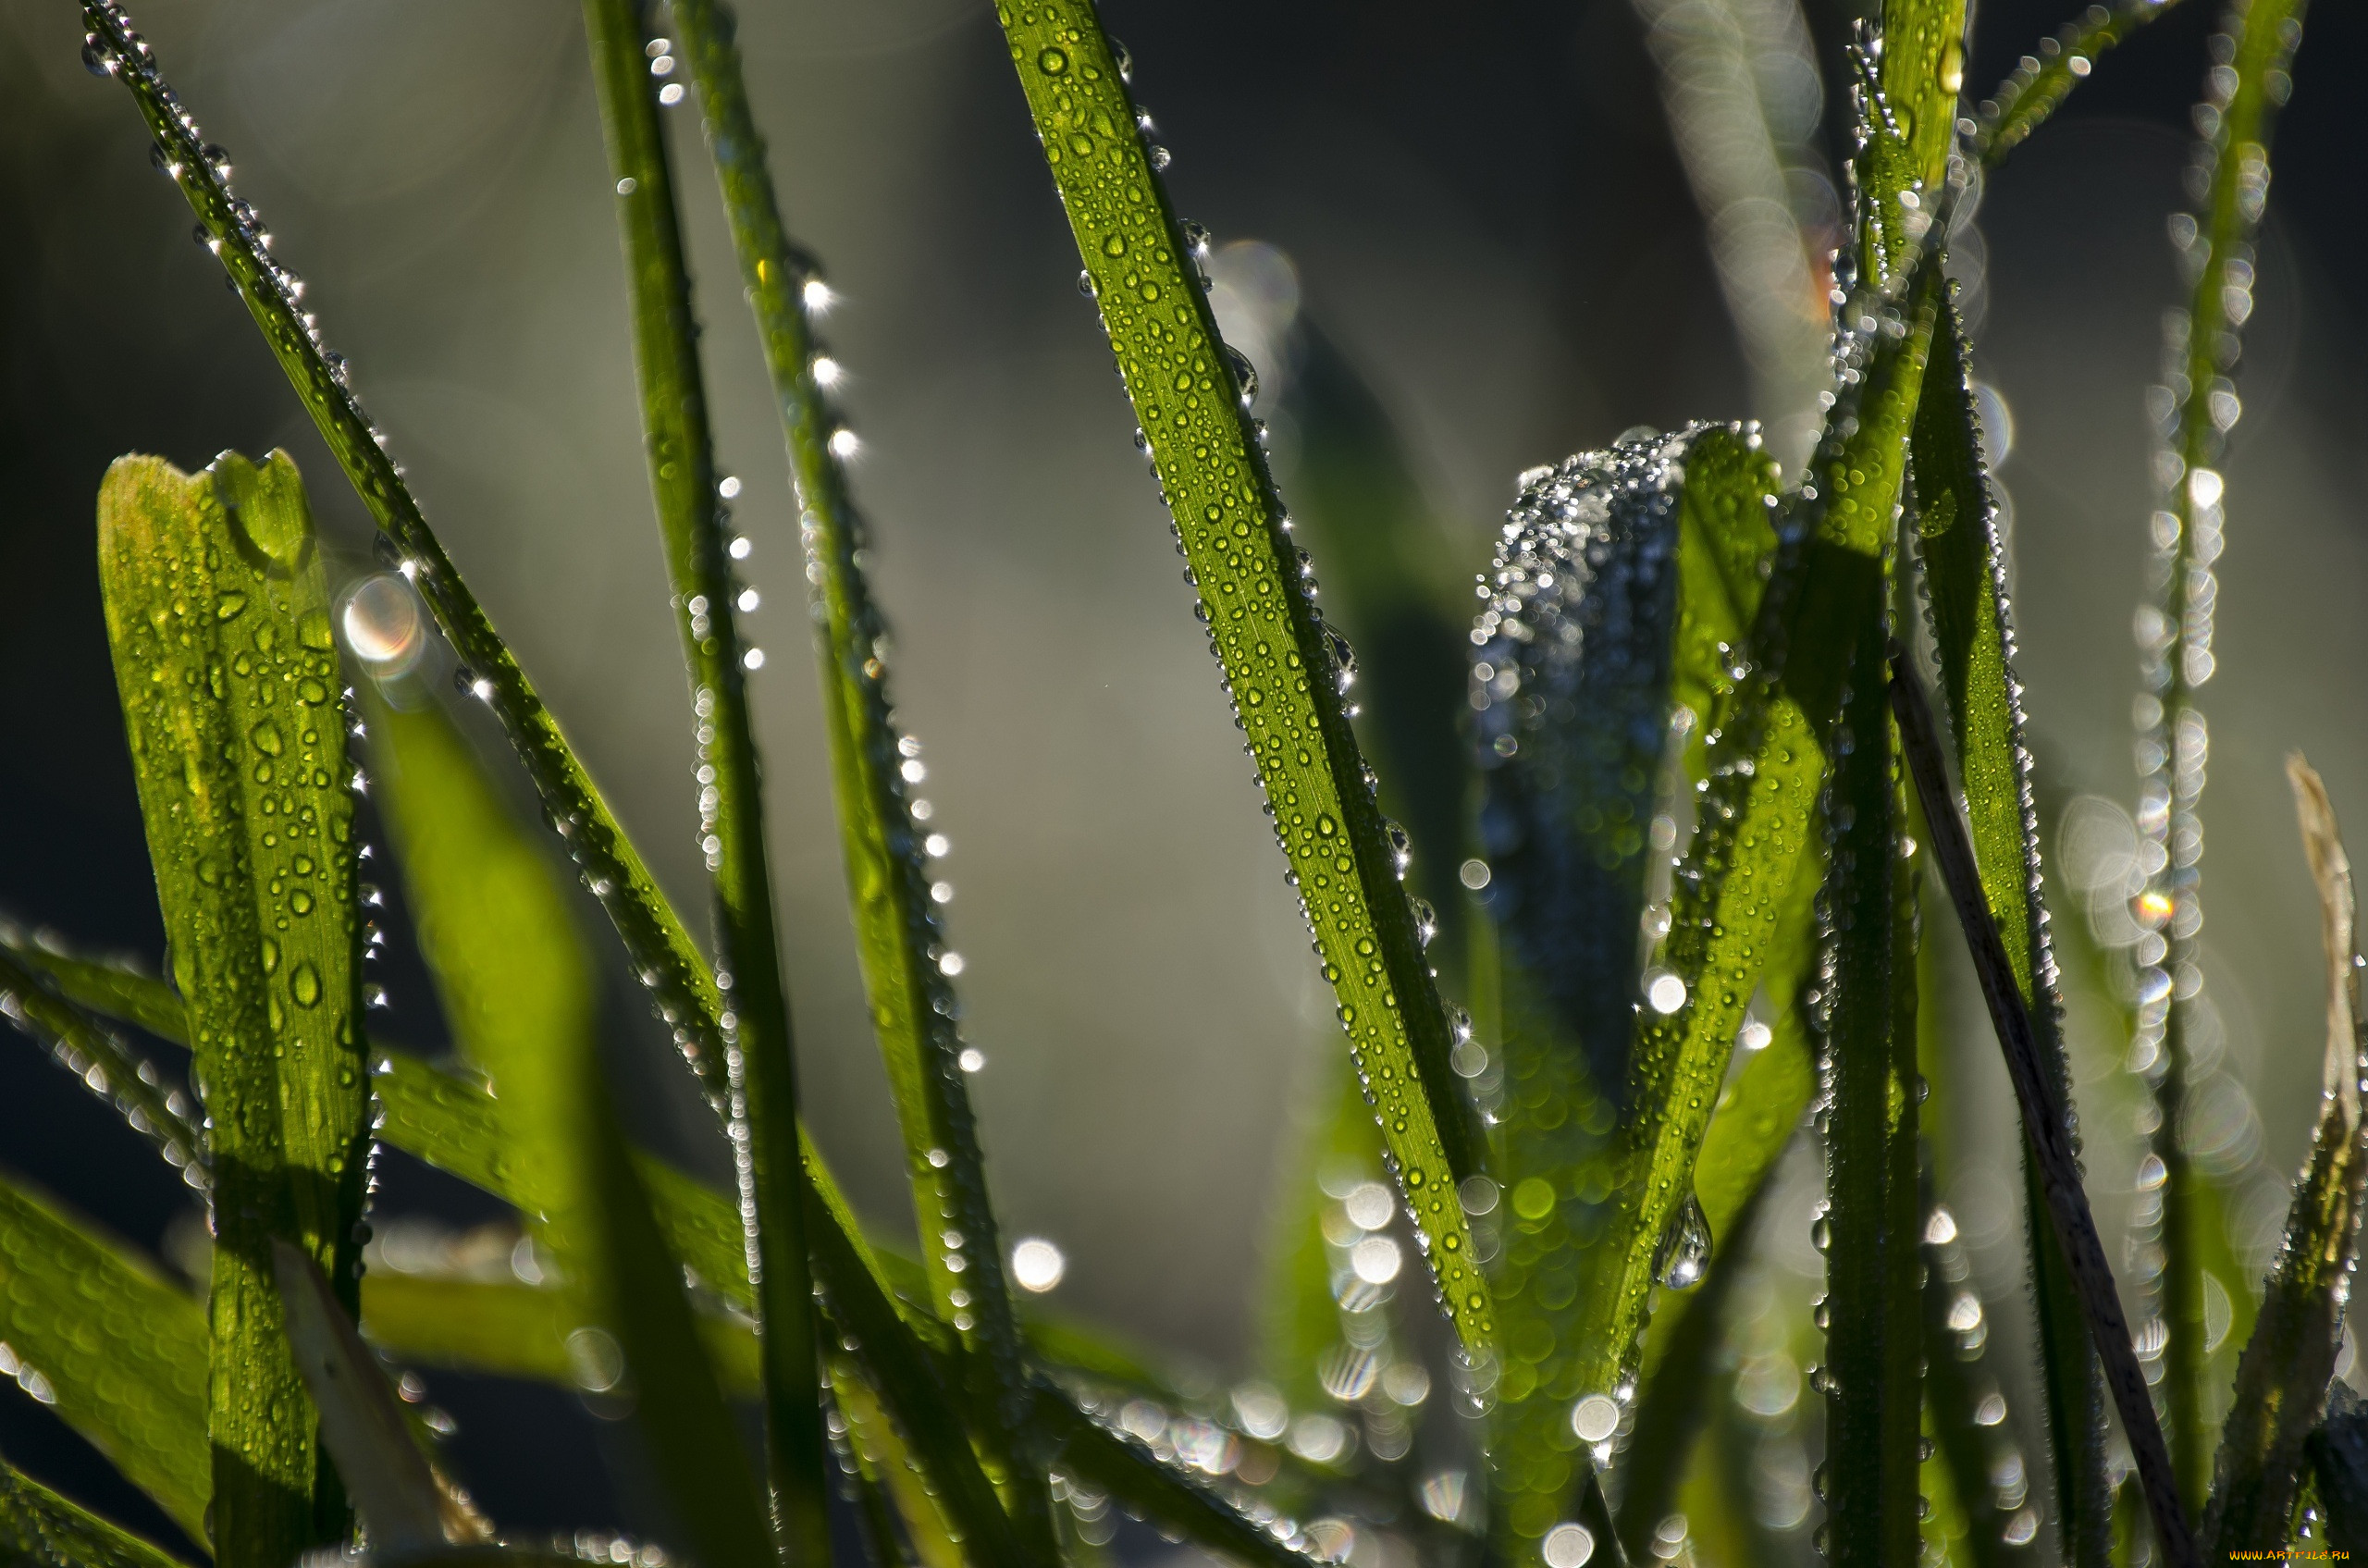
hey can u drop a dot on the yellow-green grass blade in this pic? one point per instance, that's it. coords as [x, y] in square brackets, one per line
[106, 1064]
[2282, 1378]
[2339, 1451]
[38, 1528]
[2195, 414]
[1278, 659]
[1965, 567]
[217, 615]
[1623, 581]
[113, 988]
[118, 1350]
[899, 938]
[672, 969]
[2042, 79]
[2047, 1126]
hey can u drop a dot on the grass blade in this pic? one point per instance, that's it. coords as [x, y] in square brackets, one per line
[1965, 567]
[2282, 1379]
[112, 988]
[1873, 1373]
[219, 620]
[108, 1064]
[907, 963]
[2339, 1453]
[2175, 638]
[1283, 667]
[1966, 1410]
[2046, 1129]
[2041, 82]
[1617, 573]
[405, 1505]
[41, 1529]
[669, 963]
[759, 1053]
[118, 1351]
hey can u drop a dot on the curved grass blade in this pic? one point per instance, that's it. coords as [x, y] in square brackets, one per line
[1602, 594]
[2282, 1379]
[106, 1064]
[100, 1336]
[1283, 667]
[219, 620]
[41, 1529]
[666, 960]
[111, 987]
[2041, 82]
[405, 1504]
[2046, 1128]
[761, 1055]
[906, 959]
[2175, 638]
[1964, 568]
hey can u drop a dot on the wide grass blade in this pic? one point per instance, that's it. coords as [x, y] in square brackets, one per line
[1617, 574]
[1964, 573]
[2047, 1130]
[760, 1054]
[908, 962]
[1873, 1373]
[1284, 669]
[99, 1335]
[41, 1529]
[2282, 1379]
[669, 963]
[217, 615]
[2042, 81]
[108, 1064]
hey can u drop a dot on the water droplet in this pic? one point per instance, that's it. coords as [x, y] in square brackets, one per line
[1053, 62]
[305, 984]
[1684, 1255]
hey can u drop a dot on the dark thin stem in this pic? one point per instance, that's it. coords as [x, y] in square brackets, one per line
[2043, 1120]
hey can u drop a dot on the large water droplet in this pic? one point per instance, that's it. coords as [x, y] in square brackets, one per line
[1684, 1255]
[305, 984]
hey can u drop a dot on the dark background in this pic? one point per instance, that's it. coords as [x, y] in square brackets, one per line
[1487, 217]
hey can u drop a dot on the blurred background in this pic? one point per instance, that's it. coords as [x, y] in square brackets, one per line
[1456, 244]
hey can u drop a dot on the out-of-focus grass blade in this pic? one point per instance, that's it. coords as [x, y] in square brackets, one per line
[907, 961]
[112, 988]
[101, 1338]
[1874, 1350]
[2194, 414]
[1965, 566]
[395, 1489]
[106, 1064]
[2338, 1454]
[41, 1529]
[892, 1490]
[1114, 1463]
[748, 971]
[2282, 1378]
[2046, 1126]
[1965, 1406]
[1613, 568]
[218, 616]
[669, 963]
[1284, 668]
[2042, 81]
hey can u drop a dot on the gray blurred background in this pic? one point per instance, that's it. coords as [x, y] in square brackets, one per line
[1484, 213]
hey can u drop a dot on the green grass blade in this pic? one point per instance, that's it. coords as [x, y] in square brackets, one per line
[118, 1350]
[219, 620]
[1588, 638]
[2175, 639]
[757, 1021]
[41, 1529]
[2282, 1379]
[2339, 1453]
[2047, 1127]
[1965, 567]
[1278, 659]
[667, 961]
[1965, 1410]
[106, 1064]
[1114, 1463]
[1872, 1377]
[2042, 81]
[110, 987]
[907, 962]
